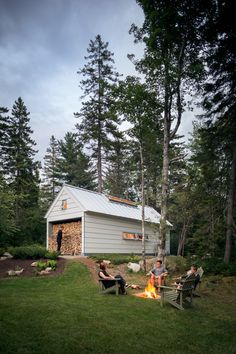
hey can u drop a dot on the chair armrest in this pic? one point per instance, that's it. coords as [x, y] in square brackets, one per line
[116, 279]
[167, 287]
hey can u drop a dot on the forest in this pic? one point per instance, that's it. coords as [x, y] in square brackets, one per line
[127, 132]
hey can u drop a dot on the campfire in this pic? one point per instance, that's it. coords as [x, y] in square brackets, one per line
[149, 292]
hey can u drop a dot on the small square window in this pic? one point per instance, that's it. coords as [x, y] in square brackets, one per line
[64, 204]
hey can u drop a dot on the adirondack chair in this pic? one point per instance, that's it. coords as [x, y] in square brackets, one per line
[200, 272]
[178, 297]
[111, 289]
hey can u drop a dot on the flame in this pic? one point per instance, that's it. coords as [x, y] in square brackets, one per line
[150, 290]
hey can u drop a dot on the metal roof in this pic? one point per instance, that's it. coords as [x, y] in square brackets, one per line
[100, 203]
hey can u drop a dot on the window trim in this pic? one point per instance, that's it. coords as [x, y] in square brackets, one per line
[137, 236]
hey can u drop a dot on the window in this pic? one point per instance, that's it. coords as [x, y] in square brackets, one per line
[133, 236]
[64, 204]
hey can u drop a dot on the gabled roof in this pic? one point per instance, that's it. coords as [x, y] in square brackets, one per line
[100, 203]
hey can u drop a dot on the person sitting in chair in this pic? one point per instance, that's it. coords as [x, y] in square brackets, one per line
[158, 274]
[109, 279]
[192, 271]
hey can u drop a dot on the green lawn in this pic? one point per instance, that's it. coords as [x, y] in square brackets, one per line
[65, 314]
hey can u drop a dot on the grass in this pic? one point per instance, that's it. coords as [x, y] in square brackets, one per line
[66, 314]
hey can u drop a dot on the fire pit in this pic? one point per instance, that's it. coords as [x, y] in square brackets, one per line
[149, 292]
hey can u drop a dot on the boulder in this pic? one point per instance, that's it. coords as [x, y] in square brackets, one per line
[106, 262]
[14, 272]
[48, 269]
[34, 264]
[135, 267]
[7, 254]
[18, 272]
[3, 258]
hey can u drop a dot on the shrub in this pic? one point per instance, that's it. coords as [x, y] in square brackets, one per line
[52, 255]
[176, 264]
[28, 252]
[2, 251]
[52, 263]
[215, 266]
[41, 266]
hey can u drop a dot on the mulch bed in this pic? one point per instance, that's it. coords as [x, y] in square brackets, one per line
[12, 264]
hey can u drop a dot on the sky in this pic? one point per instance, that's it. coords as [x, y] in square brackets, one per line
[42, 46]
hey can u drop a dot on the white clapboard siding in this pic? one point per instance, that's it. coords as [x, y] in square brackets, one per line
[73, 210]
[103, 234]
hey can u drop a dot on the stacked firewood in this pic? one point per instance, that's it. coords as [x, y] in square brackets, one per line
[71, 238]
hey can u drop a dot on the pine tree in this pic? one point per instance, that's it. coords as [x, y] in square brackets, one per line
[21, 171]
[99, 122]
[52, 175]
[117, 181]
[4, 125]
[75, 166]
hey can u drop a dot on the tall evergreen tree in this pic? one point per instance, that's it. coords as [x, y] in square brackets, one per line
[98, 122]
[7, 216]
[4, 125]
[117, 181]
[20, 169]
[52, 175]
[75, 166]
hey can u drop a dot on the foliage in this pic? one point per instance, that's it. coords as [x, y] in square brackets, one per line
[75, 166]
[176, 264]
[28, 252]
[98, 122]
[52, 179]
[52, 263]
[214, 266]
[41, 265]
[2, 251]
[52, 255]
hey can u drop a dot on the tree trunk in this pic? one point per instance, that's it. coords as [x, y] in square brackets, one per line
[182, 239]
[99, 162]
[99, 166]
[165, 170]
[143, 209]
[231, 196]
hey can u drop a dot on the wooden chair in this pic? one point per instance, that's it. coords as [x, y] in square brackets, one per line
[200, 272]
[111, 289]
[178, 297]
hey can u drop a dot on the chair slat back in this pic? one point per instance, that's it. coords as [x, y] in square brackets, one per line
[200, 271]
[189, 282]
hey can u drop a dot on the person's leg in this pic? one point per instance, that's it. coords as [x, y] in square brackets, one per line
[58, 246]
[121, 282]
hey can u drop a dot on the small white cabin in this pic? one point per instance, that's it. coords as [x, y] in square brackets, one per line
[97, 223]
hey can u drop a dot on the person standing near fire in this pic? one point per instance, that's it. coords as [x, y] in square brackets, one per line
[158, 274]
[59, 239]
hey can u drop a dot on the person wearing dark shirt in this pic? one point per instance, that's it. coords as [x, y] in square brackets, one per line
[59, 239]
[109, 279]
